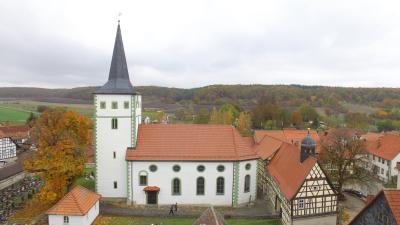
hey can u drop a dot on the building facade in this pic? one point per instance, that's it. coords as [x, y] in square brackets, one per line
[8, 149]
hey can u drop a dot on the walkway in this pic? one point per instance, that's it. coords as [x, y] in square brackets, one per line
[260, 210]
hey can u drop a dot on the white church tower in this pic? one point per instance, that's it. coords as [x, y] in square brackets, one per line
[117, 116]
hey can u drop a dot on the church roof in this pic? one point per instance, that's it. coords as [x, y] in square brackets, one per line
[190, 142]
[287, 170]
[118, 78]
[75, 203]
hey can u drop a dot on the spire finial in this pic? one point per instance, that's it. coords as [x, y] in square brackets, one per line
[119, 17]
[308, 130]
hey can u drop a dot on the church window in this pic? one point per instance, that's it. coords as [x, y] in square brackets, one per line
[102, 105]
[66, 220]
[142, 178]
[114, 105]
[114, 154]
[248, 166]
[247, 183]
[201, 168]
[176, 186]
[126, 105]
[301, 204]
[153, 168]
[176, 168]
[114, 123]
[221, 168]
[220, 186]
[200, 186]
[115, 185]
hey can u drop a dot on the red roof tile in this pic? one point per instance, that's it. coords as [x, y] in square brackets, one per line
[76, 202]
[386, 146]
[267, 147]
[190, 142]
[287, 171]
[20, 131]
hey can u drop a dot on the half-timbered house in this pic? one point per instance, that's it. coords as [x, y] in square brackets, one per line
[8, 149]
[295, 184]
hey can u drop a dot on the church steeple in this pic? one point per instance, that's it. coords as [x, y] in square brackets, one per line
[118, 78]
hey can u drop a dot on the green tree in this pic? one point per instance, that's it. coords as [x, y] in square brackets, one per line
[244, 124]
[308, 113]
[356, 120]
[203, 117]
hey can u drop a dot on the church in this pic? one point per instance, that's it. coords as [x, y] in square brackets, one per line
[161, 163]
[191, 164]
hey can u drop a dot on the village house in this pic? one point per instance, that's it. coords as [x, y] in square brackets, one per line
[384, 154]
[11, 138]
[294, 182]
[80, 206]
[384, 209]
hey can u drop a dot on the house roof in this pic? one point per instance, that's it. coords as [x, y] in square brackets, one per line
[287, 170]
[392, 197]
[75, 203]
[19, 131]
[210, 217]
[118, 78]
[190, 142]
[292, 136]
[267, 146]
[386, 146]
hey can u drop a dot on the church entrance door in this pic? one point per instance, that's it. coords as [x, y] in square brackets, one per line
[152, 197]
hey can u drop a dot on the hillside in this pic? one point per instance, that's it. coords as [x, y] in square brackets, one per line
[336, 99]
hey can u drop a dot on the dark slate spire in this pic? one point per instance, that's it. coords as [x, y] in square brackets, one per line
[118, 78]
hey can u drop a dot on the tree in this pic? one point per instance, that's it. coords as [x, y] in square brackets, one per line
[344, 157]
[244, 124]
[296, 118]
[214, 117]
[180, 114]
[203, 116]
[356, 120]
[160, 116]
[62, 137]
[31, 119]
[42, 108]
[308, 113]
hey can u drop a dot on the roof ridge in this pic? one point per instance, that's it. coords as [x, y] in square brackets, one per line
[75, 200]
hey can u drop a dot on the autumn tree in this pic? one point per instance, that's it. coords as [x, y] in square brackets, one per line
[308, 113]
[61, 137]
[160, 116]
[244, 124]
[344, 157]
[356, 120]
[223, 116]
[296, 118]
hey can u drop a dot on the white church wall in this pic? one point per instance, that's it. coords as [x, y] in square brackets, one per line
[246, 197]
[108, 141]
[188, 176]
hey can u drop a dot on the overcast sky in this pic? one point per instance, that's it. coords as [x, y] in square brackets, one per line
[195, 43]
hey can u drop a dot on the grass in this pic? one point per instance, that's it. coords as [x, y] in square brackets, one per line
[13, 116]
[89, 184]
[103, 220]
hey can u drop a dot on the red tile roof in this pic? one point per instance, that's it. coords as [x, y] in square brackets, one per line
[386, 146]
[291, 136]
[190, 142]
[393, 199]
[20, 131]
[287, 171]
[267, 147]
[75, 203]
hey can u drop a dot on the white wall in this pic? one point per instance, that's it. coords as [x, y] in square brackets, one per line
[110, 140]
[378, 162]
[188, 176]
[8, 149]
[243, 197]
[86, 219]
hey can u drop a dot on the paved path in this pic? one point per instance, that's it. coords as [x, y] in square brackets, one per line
[260, 210]
[352, 205]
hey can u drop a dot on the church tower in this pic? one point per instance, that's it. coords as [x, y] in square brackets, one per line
[117, 116]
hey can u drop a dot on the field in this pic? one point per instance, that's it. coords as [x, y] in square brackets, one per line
[102, 220]
[12, 115]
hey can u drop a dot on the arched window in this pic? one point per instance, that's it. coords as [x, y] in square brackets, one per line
[200, 186]
[142, 178]
[176, 186]
[220, 186]
[247, 183]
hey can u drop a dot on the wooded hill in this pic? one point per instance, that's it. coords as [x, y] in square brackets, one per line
[246, 96]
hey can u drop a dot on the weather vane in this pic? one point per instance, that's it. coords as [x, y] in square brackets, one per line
[119, 16]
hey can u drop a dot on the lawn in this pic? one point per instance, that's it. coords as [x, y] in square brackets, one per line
[87, 183]
[13, 116]
[103, 220]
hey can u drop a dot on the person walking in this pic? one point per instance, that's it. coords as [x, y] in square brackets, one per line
[171, 210]
[176, 207]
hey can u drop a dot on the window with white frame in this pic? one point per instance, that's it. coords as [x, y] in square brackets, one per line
[301, 204]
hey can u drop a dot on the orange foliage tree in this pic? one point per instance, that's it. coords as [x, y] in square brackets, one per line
[61, 137]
